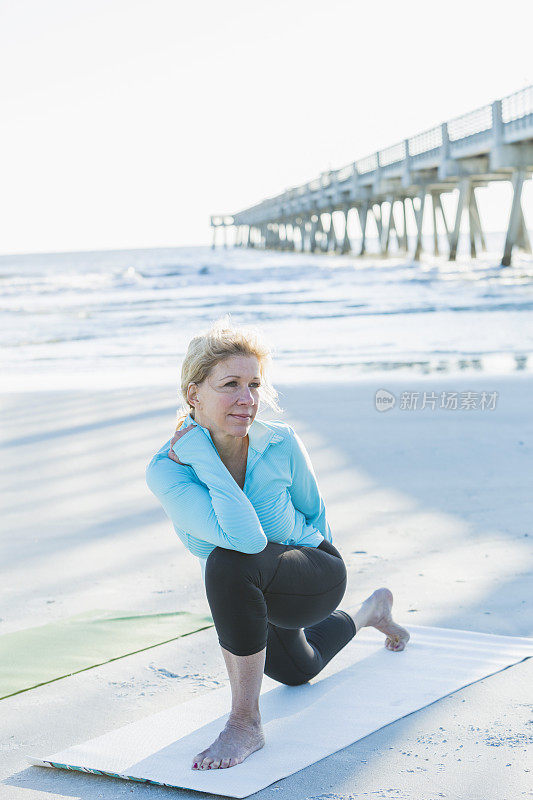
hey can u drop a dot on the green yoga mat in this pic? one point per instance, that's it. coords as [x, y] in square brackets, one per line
[35, 656]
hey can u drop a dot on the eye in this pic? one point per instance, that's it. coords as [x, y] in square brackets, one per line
[254, 383]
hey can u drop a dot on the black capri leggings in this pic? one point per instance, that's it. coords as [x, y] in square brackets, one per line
[283, 598]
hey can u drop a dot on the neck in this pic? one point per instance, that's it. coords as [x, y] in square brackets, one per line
[229, 447]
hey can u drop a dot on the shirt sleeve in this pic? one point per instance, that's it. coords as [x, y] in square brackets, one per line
[219, 512]
[304, 490]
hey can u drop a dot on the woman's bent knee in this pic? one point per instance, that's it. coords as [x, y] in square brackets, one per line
[285, 673]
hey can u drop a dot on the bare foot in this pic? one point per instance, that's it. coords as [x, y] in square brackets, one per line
[378, 612]
[236, 742]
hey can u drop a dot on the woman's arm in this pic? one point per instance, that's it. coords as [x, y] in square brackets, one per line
[220, 512]
[304, 490]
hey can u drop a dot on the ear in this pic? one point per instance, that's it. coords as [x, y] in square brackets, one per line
[191, 390]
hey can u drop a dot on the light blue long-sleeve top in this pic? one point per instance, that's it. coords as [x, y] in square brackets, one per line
[280, 502]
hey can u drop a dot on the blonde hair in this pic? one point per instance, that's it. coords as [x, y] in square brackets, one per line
[222, 340]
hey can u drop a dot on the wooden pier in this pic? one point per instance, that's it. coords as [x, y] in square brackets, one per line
[492, 143]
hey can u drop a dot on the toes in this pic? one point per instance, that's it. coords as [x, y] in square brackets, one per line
[392, 644]
[209, 763]
[197, 761]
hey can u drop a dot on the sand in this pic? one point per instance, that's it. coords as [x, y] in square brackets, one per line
[435, 504]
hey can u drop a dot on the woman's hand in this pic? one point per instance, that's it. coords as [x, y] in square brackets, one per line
[171, 454]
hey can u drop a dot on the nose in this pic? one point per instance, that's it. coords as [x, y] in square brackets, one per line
[246, 404]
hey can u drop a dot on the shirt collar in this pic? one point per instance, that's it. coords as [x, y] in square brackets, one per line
[259, 434]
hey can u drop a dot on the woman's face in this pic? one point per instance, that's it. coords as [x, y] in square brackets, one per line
[228, 400]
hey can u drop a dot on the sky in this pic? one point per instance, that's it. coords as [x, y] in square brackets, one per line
[127, 123]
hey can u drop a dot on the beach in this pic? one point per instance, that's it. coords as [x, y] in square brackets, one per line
[434, 503]
[173, 192]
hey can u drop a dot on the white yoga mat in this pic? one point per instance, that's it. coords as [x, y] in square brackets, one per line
[364, 688]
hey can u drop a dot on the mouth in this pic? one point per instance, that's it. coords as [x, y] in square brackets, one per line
[241, 416]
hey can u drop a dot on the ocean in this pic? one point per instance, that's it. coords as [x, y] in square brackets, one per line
[125, 317]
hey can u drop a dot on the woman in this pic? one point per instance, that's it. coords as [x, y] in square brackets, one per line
[243, 497]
